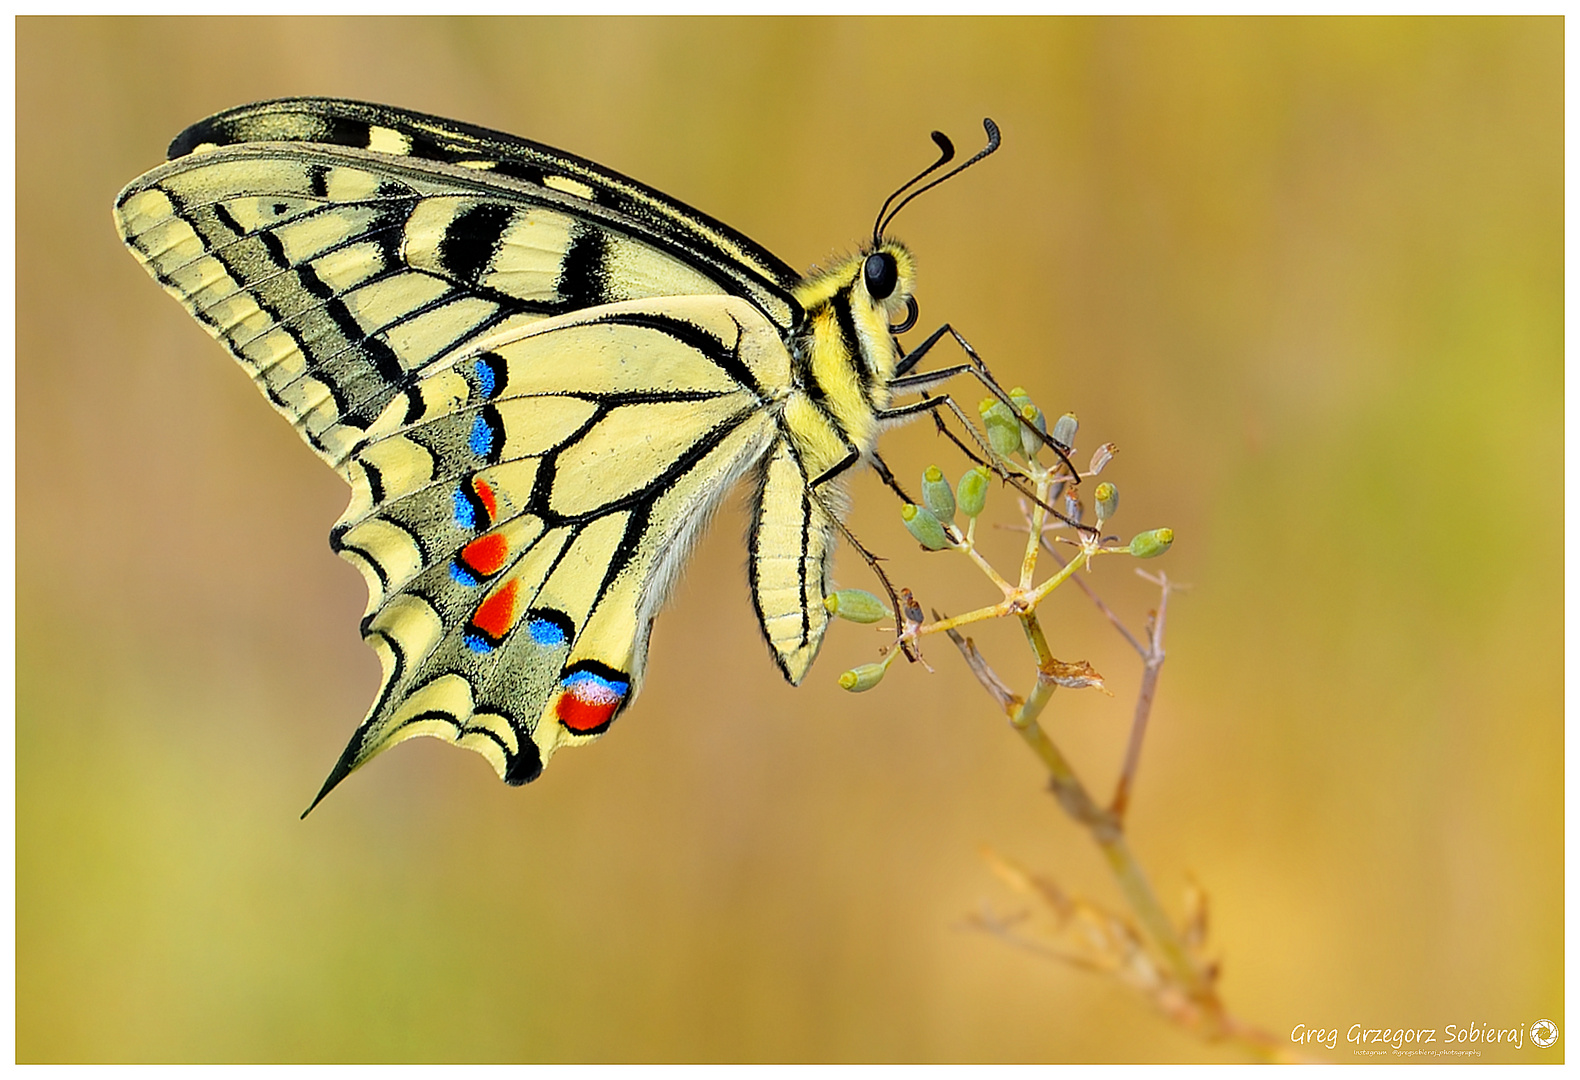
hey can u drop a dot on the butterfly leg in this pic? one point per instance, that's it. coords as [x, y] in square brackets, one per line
[910, 359]
[976, 366]
[882, 469]
[932, 405]
[872, 562]
[979, 370]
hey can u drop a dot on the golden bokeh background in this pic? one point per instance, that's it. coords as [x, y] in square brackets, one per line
[1307, 274]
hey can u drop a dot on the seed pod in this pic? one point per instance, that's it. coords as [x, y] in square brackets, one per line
[937, 495]
[1003, 430]
[927, 529]
[1107, 496]
[864, 677]
[857, 605]
[1033, 416]
[1151, 543]
[972, 492]
[1064, 430]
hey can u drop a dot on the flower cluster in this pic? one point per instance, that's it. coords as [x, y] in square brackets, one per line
[1018, 448]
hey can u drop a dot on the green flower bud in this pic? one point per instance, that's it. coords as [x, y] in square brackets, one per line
[1064, 429]
[862, 678]
[1003, 430]
[1030, 443]
[937, 495]
[857, 605]
[1151, 543]
[971, 495]
[926, 527]
[1107, 496]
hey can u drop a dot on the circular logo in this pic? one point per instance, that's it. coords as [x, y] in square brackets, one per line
[1544, 1033]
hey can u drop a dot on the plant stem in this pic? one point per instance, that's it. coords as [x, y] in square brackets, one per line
[1047, 545]
[1105, 826]
[1154, 656]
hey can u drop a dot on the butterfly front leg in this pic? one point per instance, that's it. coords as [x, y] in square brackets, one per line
[982, 454]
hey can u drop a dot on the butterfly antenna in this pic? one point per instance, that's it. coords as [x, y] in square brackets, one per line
[946, 154]
[992, 145]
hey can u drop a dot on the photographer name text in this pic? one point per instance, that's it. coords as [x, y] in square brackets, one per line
[1449, 1037]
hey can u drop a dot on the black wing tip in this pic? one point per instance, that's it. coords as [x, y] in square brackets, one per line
[523, 768]
[330, 784]
[194, 136]
[250, 122]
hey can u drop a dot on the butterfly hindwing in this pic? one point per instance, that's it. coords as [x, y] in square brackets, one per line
[518, 534]
[790, 550]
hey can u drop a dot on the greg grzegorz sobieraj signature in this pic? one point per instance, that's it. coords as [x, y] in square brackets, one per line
[1449, 1036]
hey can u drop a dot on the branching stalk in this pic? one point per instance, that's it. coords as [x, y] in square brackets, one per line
[1172, 971]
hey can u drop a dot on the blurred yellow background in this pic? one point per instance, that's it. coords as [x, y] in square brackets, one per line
[1306, 273]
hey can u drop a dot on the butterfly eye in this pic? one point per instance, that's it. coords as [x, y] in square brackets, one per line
[881, 274]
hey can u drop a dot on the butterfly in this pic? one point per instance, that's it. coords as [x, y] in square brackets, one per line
[540, 378]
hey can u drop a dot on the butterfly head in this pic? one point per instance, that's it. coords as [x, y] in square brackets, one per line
[888, 278]
[888, 273]
[860, 301]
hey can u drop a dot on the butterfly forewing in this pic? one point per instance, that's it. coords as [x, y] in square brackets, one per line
[335, 280]
[688, 237]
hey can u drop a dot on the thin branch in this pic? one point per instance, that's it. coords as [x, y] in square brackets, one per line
[1104, 826]
[979, 667]
[1094, 598]
[1154, 656]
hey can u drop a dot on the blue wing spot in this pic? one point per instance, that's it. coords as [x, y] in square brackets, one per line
[482, 438]
[461, 575]
[465, 512]
[546, 633]
[477, 643]
[483, 371]
[595, 687]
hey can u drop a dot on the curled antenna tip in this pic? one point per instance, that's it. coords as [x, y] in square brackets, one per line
[946, 153]
[947, 148]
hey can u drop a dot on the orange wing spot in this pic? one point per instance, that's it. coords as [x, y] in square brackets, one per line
[486, 555]
[589, 700]
[581, 716]
[485, 492]
[496, 615]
